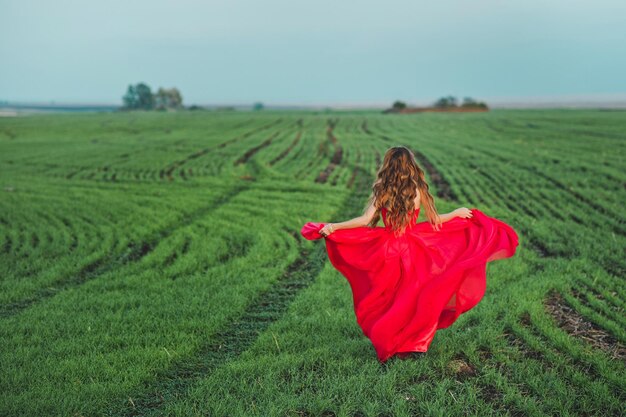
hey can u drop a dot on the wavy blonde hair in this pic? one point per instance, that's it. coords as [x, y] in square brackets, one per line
[398, 179]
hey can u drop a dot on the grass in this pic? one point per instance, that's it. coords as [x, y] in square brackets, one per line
[151, 264]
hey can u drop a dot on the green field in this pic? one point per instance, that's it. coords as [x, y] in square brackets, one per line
[151, 264]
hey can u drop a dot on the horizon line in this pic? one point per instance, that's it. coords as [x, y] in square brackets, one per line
[493, 101]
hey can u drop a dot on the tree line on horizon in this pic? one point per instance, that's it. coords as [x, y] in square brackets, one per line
[446, 103]
[141, 97]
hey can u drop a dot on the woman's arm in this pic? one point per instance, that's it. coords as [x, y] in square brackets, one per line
[462, 212]
[360, 221]
[447, 216]
[349, 224]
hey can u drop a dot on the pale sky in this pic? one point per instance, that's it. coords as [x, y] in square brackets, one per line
[321, 51]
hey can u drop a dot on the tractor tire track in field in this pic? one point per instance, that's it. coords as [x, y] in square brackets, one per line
[378, 159]
[227, 344]
[355, 171]
[285, 152]
[577, 326]
[167, 172]
[322, 151]
[250, 152]
[335, 160]
[135, 252]
[9, 133]
[444, 190]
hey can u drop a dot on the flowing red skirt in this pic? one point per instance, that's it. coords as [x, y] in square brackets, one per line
[405, 288]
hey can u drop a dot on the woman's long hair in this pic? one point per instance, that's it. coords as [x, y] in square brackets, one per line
[395, 187]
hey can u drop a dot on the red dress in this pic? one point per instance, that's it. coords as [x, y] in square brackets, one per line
[405, 288]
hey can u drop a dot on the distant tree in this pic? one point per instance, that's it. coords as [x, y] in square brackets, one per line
[131, 99]
[398, 105]
[258, 106]
[161, 100]
[168, 99]
[470, 102]
[444, 102]
[138, 97]
[146, 99]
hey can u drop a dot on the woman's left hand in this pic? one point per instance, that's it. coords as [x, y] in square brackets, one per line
[326, 230]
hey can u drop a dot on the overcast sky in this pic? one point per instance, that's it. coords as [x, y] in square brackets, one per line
[310, 52]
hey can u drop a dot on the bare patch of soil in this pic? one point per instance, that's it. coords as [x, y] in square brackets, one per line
[579, 327]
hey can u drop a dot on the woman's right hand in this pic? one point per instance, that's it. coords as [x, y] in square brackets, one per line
[327, 229]
[463, 212]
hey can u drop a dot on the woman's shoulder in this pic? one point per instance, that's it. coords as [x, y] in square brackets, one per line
[417, 199]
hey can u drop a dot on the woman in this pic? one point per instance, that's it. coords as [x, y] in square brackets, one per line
[409, 279]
